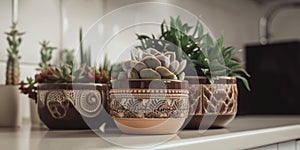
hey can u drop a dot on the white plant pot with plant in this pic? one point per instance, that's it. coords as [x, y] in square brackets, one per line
[10, 108]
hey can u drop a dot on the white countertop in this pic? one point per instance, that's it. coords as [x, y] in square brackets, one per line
[244, 132]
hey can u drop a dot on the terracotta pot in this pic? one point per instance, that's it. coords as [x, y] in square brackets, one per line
[10, 108]
[212, 105]
[141, 106]
[72, 105]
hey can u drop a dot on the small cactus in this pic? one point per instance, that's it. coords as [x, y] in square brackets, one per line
[152, 64]
[13, 67]
[46, 54]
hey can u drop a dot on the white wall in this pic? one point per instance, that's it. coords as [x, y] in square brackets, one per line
[39, 19]
[236, 19]
[286, 24]
[76, 14]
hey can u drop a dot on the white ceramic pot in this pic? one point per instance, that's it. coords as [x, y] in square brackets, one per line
[10, 106]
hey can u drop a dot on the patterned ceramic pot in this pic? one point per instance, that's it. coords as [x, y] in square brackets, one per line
[212, 105]
[72, 105]
[141, 106]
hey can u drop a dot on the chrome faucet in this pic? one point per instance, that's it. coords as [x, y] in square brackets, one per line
[265, 22]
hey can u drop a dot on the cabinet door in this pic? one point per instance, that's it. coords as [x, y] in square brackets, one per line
[298, 145]
[290, 145]
[269, 147]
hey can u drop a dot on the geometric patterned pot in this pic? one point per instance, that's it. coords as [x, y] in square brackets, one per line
[72, 105]
[212, 105]
[141, 106]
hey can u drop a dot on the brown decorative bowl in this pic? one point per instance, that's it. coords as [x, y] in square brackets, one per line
[72, 105]
[140, 106]
[211, 105]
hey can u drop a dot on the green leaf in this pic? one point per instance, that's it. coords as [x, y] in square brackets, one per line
[178, 22]
[245, 82]
[243, 71]
[220, 41]
[233, 63]
[142, 37]
[162, 27]
[200, 29]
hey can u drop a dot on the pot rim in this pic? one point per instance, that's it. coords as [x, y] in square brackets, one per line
[145, 83]
[4, 85]
[152, 119]
[218, 80]
[167, 80]
[43, 84]
[70, 86]
[205, 78]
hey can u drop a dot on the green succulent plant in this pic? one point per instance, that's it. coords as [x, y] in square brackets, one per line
[13, 67]
[29, 87]
[46, 54]
[68, 56]
[151, 64]
[68, 74]
[85, 56]
[210, 58]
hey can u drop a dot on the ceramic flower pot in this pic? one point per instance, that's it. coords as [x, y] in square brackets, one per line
[10, 108]
[72, 106]
[212, 105]
[141, 106]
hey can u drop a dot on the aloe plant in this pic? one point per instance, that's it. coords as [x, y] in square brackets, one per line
[151, 64]
[13, 67]
[210, 58]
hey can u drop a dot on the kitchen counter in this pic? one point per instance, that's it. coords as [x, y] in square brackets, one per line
[243, 133]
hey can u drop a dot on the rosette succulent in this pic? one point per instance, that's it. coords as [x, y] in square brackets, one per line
[151, 64]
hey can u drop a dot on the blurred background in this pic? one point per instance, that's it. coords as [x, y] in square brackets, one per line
[59, 20]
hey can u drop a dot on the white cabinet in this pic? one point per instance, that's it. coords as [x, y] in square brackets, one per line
[298, 145]
[269, 147]
[290, 145]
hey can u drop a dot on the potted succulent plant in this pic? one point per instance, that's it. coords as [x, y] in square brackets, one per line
[29, 87]
[10, 108]
[149, 95]
[68, 98]
[213, 89]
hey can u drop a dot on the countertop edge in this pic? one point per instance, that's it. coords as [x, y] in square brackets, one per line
[239, 140]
